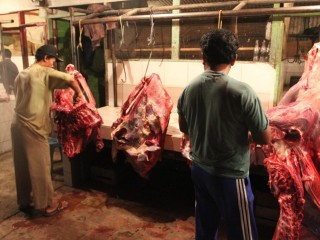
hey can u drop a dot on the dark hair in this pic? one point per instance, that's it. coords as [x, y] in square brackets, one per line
[7, 53]
[219, 46]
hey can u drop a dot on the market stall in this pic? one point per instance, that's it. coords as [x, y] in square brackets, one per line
[117, 45]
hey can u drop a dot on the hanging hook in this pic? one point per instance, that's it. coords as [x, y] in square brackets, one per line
[151, 41]
[220, 20]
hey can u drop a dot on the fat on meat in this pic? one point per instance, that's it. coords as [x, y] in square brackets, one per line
[293, 158]
[141, 128]
[78, 123]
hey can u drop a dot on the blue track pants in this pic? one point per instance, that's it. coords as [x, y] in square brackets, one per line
[223, 198]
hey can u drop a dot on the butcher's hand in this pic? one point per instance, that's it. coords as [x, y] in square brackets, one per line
[81, 97]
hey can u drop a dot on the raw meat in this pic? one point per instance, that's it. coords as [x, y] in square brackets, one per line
[77, 123]
[141, 128]
[292, 160]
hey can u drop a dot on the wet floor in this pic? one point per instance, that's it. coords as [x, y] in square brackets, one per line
[107, 213]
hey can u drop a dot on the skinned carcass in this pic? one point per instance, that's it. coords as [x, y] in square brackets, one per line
[141, 128]
[292, 160]
[78, 123]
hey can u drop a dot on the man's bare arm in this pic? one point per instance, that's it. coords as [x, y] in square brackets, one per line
[263, 137]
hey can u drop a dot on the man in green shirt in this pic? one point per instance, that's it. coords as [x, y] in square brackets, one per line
[218, 113]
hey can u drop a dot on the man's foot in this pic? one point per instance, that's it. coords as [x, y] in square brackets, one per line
[55, 209]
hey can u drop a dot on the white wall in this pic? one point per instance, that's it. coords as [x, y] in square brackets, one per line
[7, 110]
[18, 61]
[175, 75]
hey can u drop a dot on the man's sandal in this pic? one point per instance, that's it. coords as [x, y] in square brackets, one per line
[61, 206]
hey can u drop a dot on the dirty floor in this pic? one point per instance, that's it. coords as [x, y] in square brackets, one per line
[92, 214]
[141, 211]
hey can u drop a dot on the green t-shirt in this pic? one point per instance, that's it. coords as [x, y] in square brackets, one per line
[220, 111]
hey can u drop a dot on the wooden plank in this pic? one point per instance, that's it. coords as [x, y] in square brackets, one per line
[175, 37]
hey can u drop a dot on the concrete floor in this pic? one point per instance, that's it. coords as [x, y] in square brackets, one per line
[92, 214]
[140, 211]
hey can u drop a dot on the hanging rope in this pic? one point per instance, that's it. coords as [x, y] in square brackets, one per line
[121, 43]
[151, 37]
[220, 20]
[122, 32]
[236, 27]
[151, 41]
[80, 35]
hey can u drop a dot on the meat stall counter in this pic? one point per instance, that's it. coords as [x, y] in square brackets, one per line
[172, 139]
[109, 115]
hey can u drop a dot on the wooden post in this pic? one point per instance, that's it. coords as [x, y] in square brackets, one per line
[23, 40]
[276, 53]
[106, 56]
[175, 37]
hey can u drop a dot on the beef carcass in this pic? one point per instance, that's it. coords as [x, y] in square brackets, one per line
[141, 128]
[292, 160]
[77, 123]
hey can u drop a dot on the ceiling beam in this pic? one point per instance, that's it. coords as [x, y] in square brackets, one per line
[225, 13]
[69, 3]
[29, 5]
[236, 5]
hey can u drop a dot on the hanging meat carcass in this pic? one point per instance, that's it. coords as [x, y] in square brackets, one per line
[141, 128]
[293, 158]
[77, 123]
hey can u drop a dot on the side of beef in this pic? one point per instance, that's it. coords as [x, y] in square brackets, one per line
[78, 123]
[292, 160]
[141, 128]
